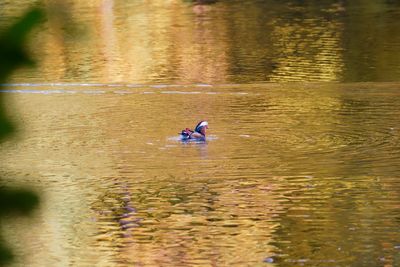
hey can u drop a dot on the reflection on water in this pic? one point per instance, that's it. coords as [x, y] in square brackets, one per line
[292, 175]
[176, 42]
[307, 50]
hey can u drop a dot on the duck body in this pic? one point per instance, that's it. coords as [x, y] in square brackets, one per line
[198, 134]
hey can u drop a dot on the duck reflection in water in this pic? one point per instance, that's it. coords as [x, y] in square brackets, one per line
[198, 134]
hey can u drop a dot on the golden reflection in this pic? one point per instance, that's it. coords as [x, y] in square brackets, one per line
[187, 225]
[121, 189]
[310, 50]
[176, 42]
[291, 169]
[110, 48]
[200, 47]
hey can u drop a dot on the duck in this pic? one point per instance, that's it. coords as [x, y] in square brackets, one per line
[199, 132]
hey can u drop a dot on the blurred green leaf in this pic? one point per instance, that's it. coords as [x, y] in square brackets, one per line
[5, 255]
[17, 201]
[6, 127]
[12, 40]
[12, 56]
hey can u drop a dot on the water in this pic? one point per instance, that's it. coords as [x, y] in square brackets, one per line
[301, 166]
[255, 41]
[299, 174]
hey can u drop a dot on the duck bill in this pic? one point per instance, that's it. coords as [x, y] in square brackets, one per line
[203, 130]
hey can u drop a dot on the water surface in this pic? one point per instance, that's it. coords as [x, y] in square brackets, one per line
[254, 41]
[301, 166]
[291, 174]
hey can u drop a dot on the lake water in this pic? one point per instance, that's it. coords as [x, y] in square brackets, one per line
[302, 162]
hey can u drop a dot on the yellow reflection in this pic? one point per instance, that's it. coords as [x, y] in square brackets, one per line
[307, 50]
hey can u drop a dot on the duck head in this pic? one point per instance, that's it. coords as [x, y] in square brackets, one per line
[201, 127]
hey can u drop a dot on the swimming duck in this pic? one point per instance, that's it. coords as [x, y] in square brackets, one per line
[199, 132]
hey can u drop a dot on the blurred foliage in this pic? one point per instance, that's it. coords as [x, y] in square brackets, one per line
[12, 56]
